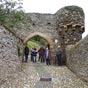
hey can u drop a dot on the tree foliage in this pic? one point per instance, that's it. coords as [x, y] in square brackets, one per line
[11, 12]
[39, 39]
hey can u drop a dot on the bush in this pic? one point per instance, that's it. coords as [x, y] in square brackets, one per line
[20, 53]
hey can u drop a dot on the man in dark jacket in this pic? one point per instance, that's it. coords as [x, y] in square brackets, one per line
[41, 52]
[26, 53]
[59, 56]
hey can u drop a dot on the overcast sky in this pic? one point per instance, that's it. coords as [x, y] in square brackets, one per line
[52, 6]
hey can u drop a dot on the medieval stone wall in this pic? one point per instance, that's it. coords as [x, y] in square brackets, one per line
[77, 59]
[70, 22]
[9, 61]
[42, 23]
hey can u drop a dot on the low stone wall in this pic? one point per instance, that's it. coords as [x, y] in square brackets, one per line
[77, 59]
[9, 61]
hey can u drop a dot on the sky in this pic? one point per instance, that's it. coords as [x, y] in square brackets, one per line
[52, 6]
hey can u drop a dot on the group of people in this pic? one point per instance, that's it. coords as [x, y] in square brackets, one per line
[44, 55]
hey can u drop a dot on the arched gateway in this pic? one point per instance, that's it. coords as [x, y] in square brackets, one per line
[47, 38]
[66, 25]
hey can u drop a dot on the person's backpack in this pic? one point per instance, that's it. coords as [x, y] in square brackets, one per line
[42, 51]
[34, 52]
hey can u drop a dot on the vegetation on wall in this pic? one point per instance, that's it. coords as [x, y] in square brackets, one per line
[11, 12]
[20, 52]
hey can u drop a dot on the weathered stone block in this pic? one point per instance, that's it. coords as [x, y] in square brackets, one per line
[77, 59]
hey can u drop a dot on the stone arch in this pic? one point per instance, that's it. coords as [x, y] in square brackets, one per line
[47, 38]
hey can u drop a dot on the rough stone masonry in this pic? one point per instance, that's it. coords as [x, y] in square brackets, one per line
[69, 20]
[9, 61]
[77, 59]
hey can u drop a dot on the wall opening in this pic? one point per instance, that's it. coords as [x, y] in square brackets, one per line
[37, 41]
[43, 36]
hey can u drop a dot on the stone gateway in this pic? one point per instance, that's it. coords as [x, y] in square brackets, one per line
[66, 25]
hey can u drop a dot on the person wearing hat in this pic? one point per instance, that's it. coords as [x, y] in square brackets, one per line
[59, 55]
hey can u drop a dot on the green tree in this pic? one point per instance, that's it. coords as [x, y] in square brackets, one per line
[11, 12]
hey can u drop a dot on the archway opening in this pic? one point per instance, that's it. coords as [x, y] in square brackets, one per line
[41, 40]
[37, 41]
[43, 36]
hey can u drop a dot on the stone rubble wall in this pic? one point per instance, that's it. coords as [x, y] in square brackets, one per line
[9, 61]
[77, 59]
[70, 14]
[42, 23]
[70, 21]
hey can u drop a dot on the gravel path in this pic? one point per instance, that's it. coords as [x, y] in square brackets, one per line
[29, 77]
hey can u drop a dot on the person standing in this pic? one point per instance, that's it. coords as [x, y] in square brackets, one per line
[34, 52]
[41, 52]
[47, 56]
[26, 53]
[39, 56]
[48, 45]
[59, 56]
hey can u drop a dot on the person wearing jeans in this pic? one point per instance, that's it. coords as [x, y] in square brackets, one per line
[47, 56]
[59, 56]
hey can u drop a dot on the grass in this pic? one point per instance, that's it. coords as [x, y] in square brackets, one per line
[32, 44]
